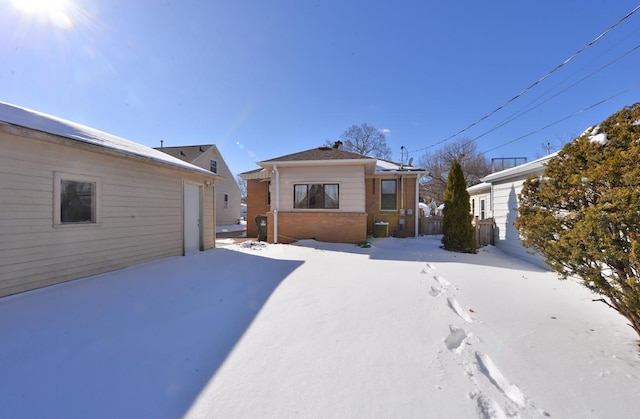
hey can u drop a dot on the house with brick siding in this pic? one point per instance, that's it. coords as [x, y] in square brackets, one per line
[333, 195]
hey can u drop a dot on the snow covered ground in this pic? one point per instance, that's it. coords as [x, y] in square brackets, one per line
[314, 330]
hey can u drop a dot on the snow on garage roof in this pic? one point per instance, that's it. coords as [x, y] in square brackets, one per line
[15, 115]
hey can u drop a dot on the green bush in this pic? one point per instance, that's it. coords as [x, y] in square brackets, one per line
[583, 215]
[456, 223]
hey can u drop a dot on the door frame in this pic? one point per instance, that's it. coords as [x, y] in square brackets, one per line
[185, 212]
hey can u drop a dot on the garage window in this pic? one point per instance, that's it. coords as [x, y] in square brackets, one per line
[76, 199]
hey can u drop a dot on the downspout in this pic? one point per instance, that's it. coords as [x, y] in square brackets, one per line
[416, 210]
[403, 210]
[277, 206]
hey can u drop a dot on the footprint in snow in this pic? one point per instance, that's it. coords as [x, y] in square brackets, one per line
[489, 408]
[455, 306]
[435, 291]
[455, 339]
[440, 280]
[494, 375]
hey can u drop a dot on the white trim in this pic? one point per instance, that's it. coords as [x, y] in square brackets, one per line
[277, 205]
[519, 171]
[77, 177]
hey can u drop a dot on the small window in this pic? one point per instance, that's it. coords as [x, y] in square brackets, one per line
[269, 193]
[213, 166]
[226, 201]
[482, 209]
[316, 196]
[388, 194]
[75, 199]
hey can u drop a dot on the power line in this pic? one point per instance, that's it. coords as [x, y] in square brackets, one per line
[537, 130]
[540, 80]
[521, 112]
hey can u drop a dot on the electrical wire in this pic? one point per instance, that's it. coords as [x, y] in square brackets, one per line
[537, 82]
[520, 113]
[537, 130]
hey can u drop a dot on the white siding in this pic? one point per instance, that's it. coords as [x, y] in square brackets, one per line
[349, 178]
[505, 212]
[229, 186]
[141, 208]
[476, 199]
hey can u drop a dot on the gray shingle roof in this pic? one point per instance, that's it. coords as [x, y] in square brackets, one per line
[186, 153]
[320, 153]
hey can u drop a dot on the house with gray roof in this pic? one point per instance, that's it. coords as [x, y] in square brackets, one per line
[227, 193]
[330, 194]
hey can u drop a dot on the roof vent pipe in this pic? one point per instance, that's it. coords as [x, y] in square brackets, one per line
[337, 145]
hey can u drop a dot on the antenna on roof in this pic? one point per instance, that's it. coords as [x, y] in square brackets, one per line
[402, 157]
[161, 144]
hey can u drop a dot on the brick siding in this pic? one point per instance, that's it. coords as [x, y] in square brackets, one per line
[336, 227]
[257, 203]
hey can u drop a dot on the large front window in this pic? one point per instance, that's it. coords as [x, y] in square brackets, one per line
[388, 194]
[316, 196]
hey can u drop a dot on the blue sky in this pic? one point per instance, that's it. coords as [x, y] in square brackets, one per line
[266, 78]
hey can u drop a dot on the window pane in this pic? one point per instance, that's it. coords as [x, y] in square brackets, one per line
[77, 202]
[316, 196]
[388, 194]
[331, 199]
[388, 186]
[300, 196]
[213, 166]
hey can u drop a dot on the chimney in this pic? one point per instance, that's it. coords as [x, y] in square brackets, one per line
[338, 145]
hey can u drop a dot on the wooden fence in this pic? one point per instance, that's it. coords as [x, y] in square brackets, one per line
[430, 226]
[482, 229]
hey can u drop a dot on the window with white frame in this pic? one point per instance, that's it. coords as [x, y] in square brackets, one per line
[316, 196]
[75, 199]
[213, 166]
[482, 209]
[226, 201]
[388, 194]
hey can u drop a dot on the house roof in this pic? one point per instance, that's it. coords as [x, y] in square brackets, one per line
[383, 166]
[335, 156]
[257, 174]
[519, 171]
[37, 121]
[186, 153]
[319, 153]
[479, 188]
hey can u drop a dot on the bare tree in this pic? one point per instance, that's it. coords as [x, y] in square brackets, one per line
[366, 140]
[474, 167]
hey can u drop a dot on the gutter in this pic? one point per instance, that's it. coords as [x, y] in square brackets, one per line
[416, 210]
[277, 206]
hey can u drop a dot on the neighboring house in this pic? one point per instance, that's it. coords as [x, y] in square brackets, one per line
[227, 191]
[505, 186]
[332, 195]
[479, 198]
[76, 202]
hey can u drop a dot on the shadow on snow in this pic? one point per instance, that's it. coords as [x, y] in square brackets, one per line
[139, 342]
